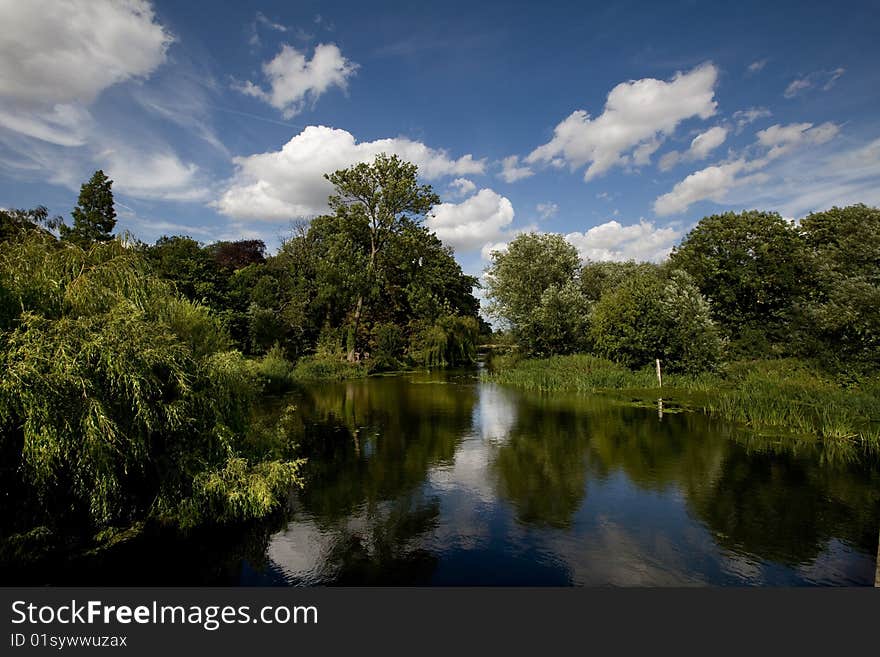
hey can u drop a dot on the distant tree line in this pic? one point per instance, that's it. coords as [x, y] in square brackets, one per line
[740, 285]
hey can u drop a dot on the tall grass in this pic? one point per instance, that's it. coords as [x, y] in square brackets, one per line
[787, 393]
[327, 368]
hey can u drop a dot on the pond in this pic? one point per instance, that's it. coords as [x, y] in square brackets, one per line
[443, 479]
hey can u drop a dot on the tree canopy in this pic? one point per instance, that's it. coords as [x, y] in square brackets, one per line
[94, 216]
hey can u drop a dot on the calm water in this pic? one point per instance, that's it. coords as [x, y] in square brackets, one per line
[441, 479]
[446, 480]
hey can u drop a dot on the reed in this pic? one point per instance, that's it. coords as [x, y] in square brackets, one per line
[788, 393]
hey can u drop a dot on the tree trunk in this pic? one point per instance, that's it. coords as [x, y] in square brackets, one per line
[357, 321]
[360, 302]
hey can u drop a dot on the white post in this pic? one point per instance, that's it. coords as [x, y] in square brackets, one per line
[659, 376]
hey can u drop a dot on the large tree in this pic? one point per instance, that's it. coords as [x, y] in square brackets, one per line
[842, 311]
[518, 278]
[752, 267]
[382, 200]
[94, 216]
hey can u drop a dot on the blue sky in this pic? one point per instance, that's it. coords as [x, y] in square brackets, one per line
[618, 125]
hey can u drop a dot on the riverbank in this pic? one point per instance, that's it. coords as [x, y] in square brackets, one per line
[785, 394]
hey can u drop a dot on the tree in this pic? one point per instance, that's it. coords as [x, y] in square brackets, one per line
[239, 254]
[651, 316]
[518, 278]
[752, 267]
[15, 222]
[382, 199]
[94, 216]
[842, 313]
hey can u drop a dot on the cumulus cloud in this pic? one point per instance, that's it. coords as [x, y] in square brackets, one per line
[57, 57]
[547, 210]
[511, 171]
[701, 146]
[71, 51]
[823, 79]
[714, 182]
[472, 223]
[614, 241]
[294, 80]
[289, 183]
[157, 175]
[462, 187]
[637, 116]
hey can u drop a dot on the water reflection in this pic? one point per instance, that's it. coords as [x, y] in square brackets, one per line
[445, 480]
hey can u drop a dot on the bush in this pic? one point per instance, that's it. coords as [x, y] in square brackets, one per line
[650, 316]
[387, 345]
[273, 370]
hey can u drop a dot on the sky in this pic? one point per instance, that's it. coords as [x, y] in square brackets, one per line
[618, 125]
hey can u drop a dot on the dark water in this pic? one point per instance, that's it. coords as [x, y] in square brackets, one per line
[445, 480]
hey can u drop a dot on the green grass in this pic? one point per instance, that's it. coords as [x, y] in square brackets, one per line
[787, 394]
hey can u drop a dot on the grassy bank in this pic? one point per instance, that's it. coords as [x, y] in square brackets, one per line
[277, 374]
[786, 394]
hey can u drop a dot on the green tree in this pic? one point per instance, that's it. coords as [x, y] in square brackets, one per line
[753, 269]
[519, 277]
[842, 312]
[120, 400]
[382, 199]
[651, 316]
[94, 216]
[14, 222]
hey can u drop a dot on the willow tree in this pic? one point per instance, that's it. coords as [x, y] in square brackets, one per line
[381, 199]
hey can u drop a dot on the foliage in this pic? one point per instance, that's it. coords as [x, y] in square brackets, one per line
[14, 222]
[753, 269]
[650, 316]
[327, 368]
[518, 278]
[842, 312]
[94, 216]
[450, 341]
[273, 370]
[381, 201]
[117, 395]
[598, 278]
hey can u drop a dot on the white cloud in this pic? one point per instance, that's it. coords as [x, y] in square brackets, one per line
[64, 52]
[782, 138]
[701, 146]
[462, 187]
[706, 142]
[489, 247]
[57, 57]
[637, 115]
[757, 66]
[714, 182]
[812, 180]
[710, 183]
[295, 80]
[511, 171]
[475, 221]
[750, 115]
[289, 183]
[547, 210]
[826, 79]
[158, 175]
[614, 241]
